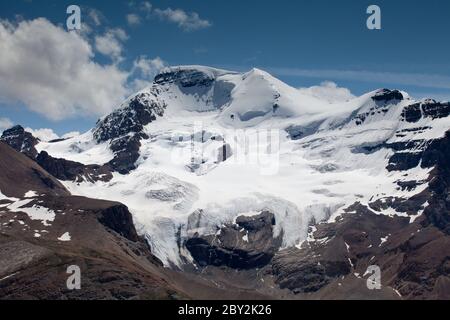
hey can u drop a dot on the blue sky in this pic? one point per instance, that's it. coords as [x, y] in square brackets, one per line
[301, 42]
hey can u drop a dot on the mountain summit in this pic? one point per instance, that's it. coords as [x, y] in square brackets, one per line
[228, 170]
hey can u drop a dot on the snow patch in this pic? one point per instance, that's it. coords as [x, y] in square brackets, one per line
[34, 212]
[65, 237]
[30, 194]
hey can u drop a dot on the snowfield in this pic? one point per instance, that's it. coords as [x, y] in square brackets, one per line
[81, 148]
[314, 165]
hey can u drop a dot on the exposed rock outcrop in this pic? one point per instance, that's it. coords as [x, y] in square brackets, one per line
[73, 171]
[386, 95]
[140, 111]
[438, 210]
[119, 219]
[426, 109]
[185, 78]
[19, 174]
[21, 141]
[124, 128]
[249, 243]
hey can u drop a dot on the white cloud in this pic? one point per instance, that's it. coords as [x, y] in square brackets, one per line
[70, 134]
[146, 7]
[51, 71]
[133, 19]
[46, 134]
[111, 43]
[144, 70]
[148, 67]
[328, 91]
[186, 21]
[95, 16]
[5, 123]
[92, 19]
[43, 134]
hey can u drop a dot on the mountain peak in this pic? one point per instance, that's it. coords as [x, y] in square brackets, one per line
[189, 75]
[20, 140]
[257, 71]
[17, 129]
[387, 95]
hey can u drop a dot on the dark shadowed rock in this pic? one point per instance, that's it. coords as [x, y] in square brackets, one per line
[73, 171]
[140, 111]
[248, 244]
[119, 219]
[413, 153]
[426, 109]
[386, 95]
[185, 78]
[438, 211]
[124, 129]
[126, 152]
[20, 140]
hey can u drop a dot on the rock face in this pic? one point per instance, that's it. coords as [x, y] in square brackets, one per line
[124, 128]
[20, 140]
[438, 211]
[73, 171]
[386, 95]
[411, 154]
[119, 219]
[126, 152]
[247, 244]
[426, 109]
[185, 78]
[19, 174]
[140, 111]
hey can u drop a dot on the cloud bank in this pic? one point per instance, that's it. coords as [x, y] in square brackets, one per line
[111, 43]
[328, 91]
[53, 72]
[5, 123]
[187, 21]
[133, 19]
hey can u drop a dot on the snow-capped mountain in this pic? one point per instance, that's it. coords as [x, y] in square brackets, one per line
[243, 168]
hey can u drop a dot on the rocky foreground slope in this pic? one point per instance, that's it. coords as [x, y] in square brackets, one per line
[44, 230]
[355, 184]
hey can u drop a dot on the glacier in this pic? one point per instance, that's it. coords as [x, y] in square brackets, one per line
[328, 155]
